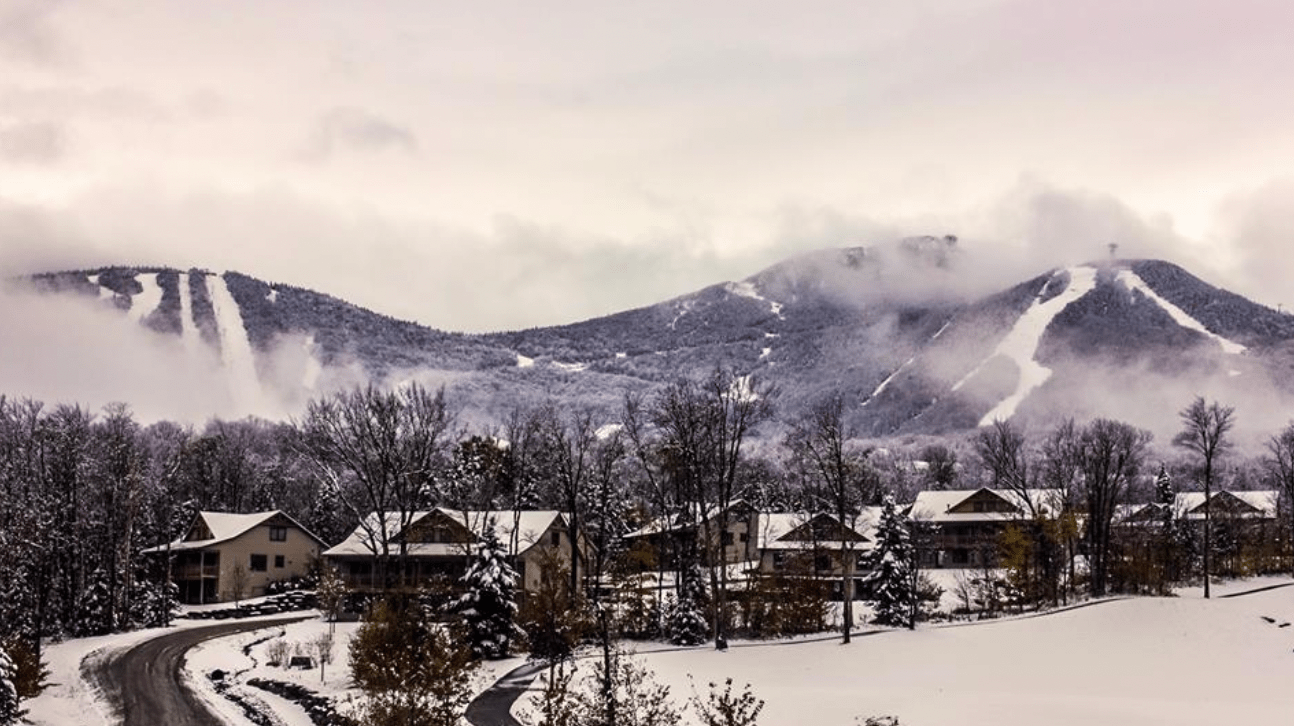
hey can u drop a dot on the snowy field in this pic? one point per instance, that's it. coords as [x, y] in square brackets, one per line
[1143, 661]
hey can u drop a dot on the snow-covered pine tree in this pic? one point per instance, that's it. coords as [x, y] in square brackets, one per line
[489, 607]
[685, 623]
[1171, 553]
[9, 711]
[96, 614]
[890, 566]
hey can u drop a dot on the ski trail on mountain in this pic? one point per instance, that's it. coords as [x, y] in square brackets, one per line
[143, 304]
[886, 383]
[188, 326]
[235, 347]
[1133, 281]
[105, 293]
[1021, 344]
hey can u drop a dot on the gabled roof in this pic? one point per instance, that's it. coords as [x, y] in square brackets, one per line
[937, 505]
[529, 526]
[675, 522]
[1259, 503]
[777, 530]
[225, 526]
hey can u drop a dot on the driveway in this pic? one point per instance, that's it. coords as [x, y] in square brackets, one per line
[145, 686]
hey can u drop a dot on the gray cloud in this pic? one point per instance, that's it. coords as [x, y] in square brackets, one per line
[26, 34]
[39, 142]
[357, 130]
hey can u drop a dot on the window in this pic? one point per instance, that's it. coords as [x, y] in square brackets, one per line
[779, 560]
[744, 537]
[727, 539]
[278, 534]
[822, 562]
[556, 538]
[258, 563]
[278, 562]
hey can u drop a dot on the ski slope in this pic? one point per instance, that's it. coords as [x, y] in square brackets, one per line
[1020, 345]
[1133, 282]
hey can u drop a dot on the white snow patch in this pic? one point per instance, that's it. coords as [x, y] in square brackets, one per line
[235, 347]
[524, 362]
[683, 309]
[143, 304]
[941, 330]
[1021, 344]
[104, 292]
[571, 367]
[748, 290]
[606, 431]
[622, 355]
[1135, 661]
[272, 295]
[763, 352]
[1133, 281]
[771, 335]
[188, 328]
[885, 383]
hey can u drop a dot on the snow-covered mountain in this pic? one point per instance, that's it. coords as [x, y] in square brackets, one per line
[889, 327]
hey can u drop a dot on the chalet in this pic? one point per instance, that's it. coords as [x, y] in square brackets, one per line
[965, 524]
[440, 542]
[675, 533]
[809, 545]
[226, 556]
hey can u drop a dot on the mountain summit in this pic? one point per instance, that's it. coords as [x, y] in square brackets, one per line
[890, 328]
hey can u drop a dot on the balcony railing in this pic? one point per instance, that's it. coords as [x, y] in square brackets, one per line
[195, 572]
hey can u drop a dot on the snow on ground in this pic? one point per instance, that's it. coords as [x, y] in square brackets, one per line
[235, 347]
[69, 700]
[1143, 661]
[1021, 343]
[272, 295]
[144, 303]
[1133, 281]
[524, 362]
[748, 289]
[571, 367]
[188, 328]
[104, 292]
[885, 383]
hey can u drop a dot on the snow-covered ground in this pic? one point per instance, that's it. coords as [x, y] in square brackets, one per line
[68, 699]
[1143, 661]
[235, 347]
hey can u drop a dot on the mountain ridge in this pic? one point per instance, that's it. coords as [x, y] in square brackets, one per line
[888, 328]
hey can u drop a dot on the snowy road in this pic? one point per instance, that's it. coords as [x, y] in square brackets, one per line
[145, 685]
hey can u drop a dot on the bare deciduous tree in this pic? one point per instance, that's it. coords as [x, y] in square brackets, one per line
[1204, 431]
[379, 452]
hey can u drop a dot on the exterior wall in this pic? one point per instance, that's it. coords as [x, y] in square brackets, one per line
[297, 550]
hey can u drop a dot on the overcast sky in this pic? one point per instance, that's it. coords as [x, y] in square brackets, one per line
[490, 165]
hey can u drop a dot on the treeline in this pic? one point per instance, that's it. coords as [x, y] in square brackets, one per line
[82, 493]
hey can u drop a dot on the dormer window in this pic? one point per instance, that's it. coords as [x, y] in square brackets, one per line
[278, 534]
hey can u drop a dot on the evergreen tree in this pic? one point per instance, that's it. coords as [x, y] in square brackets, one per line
[9, 711]
[685, 622]
[489, 607]
[890, 565]
[96, 614]
[1169, 537]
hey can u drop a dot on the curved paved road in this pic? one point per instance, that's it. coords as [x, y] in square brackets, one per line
[144, 684]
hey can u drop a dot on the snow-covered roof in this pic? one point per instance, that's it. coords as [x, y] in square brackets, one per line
[937, 505]
[675, 523]
[1190, 504]
[224, 526]
[529, 526]
[775, 526]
